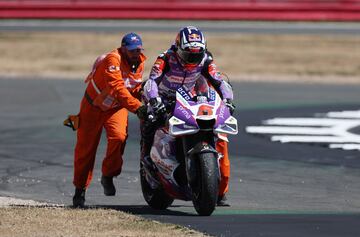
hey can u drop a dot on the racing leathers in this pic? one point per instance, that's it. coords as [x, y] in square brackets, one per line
[168, 74]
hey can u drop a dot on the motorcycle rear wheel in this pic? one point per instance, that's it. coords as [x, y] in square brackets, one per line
[155, 198]
[206, 191]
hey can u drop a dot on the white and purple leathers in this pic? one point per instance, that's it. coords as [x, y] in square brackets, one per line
[168, 74]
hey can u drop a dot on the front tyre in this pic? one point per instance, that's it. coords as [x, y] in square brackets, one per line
[205, 192]
[155, 198]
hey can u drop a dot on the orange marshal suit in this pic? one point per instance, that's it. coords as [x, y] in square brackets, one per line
[113, 89]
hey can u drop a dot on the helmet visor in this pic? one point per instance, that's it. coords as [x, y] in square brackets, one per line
[191, 57]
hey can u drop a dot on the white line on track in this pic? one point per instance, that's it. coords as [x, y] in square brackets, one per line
[333, 129]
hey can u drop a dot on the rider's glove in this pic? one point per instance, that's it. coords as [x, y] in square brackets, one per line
[157, 106]
[141, 112]
[230, 105]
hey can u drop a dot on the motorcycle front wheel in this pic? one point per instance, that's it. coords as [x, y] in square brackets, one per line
[205, 192]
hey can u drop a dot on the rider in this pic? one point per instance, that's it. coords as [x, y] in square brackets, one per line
[183, 64]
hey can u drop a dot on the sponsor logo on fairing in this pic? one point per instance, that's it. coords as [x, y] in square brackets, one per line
[222, 112]
[184, 94]
[212, 95]
[184, 112]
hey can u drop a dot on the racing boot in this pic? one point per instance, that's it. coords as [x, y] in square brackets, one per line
[147, 137]
[222, 201]
[79, 198]
[108, 185]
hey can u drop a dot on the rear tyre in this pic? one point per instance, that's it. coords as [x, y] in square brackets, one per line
[155, 198]
[205, 192]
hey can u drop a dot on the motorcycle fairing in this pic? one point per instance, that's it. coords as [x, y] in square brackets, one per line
[186, 117]
[163, 156]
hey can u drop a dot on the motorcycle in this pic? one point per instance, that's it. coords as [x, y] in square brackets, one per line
[183, 162]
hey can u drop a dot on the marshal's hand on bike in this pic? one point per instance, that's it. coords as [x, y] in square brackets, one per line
[141, 112]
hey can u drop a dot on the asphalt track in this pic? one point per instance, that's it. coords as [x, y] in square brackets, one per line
[275, 190]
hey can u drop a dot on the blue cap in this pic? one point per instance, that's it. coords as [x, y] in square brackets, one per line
[131, 41]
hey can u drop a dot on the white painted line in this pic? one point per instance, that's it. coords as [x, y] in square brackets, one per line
[346, 146]
[333, 129]
[344, 114]
[289, 130]
[314, 139]
[306, 121]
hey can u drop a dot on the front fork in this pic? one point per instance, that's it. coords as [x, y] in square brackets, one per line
[202, 142]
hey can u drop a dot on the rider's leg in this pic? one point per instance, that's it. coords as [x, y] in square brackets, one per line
[222, 147]
[148, 130]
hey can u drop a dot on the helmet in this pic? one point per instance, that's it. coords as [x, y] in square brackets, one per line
[190, 45]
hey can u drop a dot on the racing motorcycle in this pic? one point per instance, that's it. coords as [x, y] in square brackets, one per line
[183, 162]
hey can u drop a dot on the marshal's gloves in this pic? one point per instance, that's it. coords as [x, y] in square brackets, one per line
[157, 106]
[141, 112]
[230, 105]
